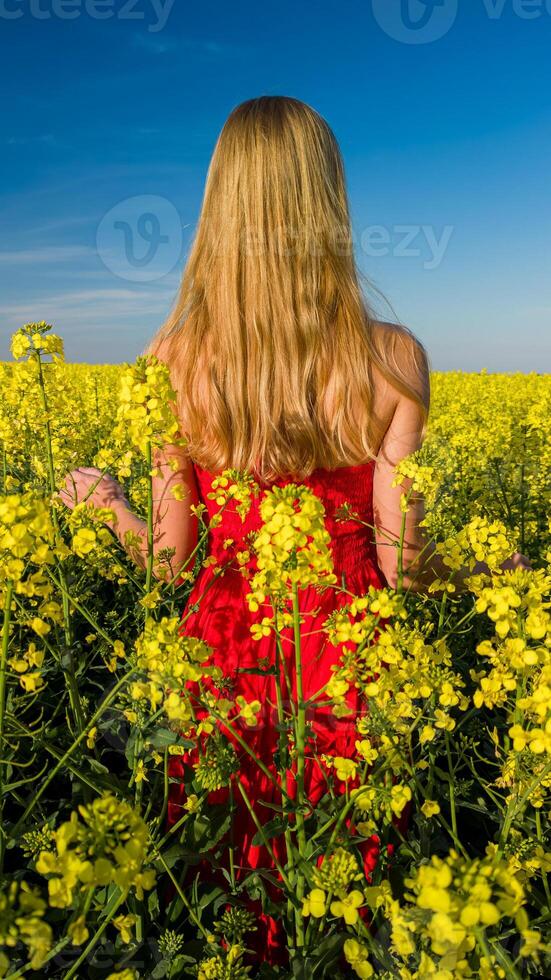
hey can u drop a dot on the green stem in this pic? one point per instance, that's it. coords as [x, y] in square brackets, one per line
[283, 747]
[226, 723]
[81, 609]
[515, 808]
[451, 787]
[262, 833]
[544, 874]
[157, 854]
[300, 726]
[300, 746]
[68, 669]
[3, 667]
[112, 906]
[400, 574]
[67, 755]
[150, 552]
[57, 755]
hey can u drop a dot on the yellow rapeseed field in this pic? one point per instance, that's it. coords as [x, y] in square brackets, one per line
[93, 705]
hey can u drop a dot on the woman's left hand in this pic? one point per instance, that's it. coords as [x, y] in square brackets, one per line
[78, 487]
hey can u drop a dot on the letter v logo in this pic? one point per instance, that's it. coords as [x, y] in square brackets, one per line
[415, 21]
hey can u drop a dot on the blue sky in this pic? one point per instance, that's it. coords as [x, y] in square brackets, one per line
[110, 123]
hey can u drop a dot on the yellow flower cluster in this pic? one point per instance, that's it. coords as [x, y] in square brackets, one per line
[106, 845]
[35, 339]
[526, 775]
[407, 682]
[27, 665]
[230, 966]
[536, 708]
[169, 659]
[376, 805]
[422, 477]
[235, 486]
[81, 403]
[217, 765]
[517, 604]
[27, 548]
[145, 416]
[357, 621]
[337, 872]
[292, 547]
[451, 903]
[92, 541]
[479, 540]
[146, 397]
[22, 911]
[26, 534]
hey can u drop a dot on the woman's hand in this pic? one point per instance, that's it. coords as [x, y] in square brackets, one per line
[516, 561]
[89, 484]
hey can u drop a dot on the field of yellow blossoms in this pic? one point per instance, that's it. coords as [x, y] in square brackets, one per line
[93, 705]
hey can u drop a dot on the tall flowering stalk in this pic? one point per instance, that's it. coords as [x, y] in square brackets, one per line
[145, 422]
[27, 538]
[35, 341]
[292, 552]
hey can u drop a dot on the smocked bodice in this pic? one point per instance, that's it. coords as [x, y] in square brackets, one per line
[352, 542]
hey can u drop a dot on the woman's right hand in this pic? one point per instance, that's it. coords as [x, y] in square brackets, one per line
[516, 561]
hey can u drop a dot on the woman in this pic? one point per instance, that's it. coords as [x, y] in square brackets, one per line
[281, 372]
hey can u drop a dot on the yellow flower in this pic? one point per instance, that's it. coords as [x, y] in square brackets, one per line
[248, 710]
[399, 797]
[84, 541]
[141, 772]
[315, 903]
[356, 955]
[179, 492]
[125, 924]
[345, 768]
[78, 931]
[192, 803]
[91, 737]
[264, 628]
[427, 734]
[430, 808]
[348, 906]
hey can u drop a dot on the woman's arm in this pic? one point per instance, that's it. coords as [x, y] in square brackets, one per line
[403, 437]
[421, 564]
[174, 523]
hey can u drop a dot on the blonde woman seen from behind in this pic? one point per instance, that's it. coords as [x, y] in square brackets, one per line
[281, 372]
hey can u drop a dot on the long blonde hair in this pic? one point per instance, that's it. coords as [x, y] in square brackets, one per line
[270, 342]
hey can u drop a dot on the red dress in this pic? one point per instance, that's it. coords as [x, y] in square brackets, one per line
[223, 620]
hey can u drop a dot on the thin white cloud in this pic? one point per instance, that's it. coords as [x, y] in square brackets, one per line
[162, 45]
[73, 299]
[25, 140]
[74, 221]
[49, 253]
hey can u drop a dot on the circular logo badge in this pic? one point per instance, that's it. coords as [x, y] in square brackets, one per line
[140, 239]
[415, 21]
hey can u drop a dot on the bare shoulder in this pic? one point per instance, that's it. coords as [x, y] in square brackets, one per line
[405, 355]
